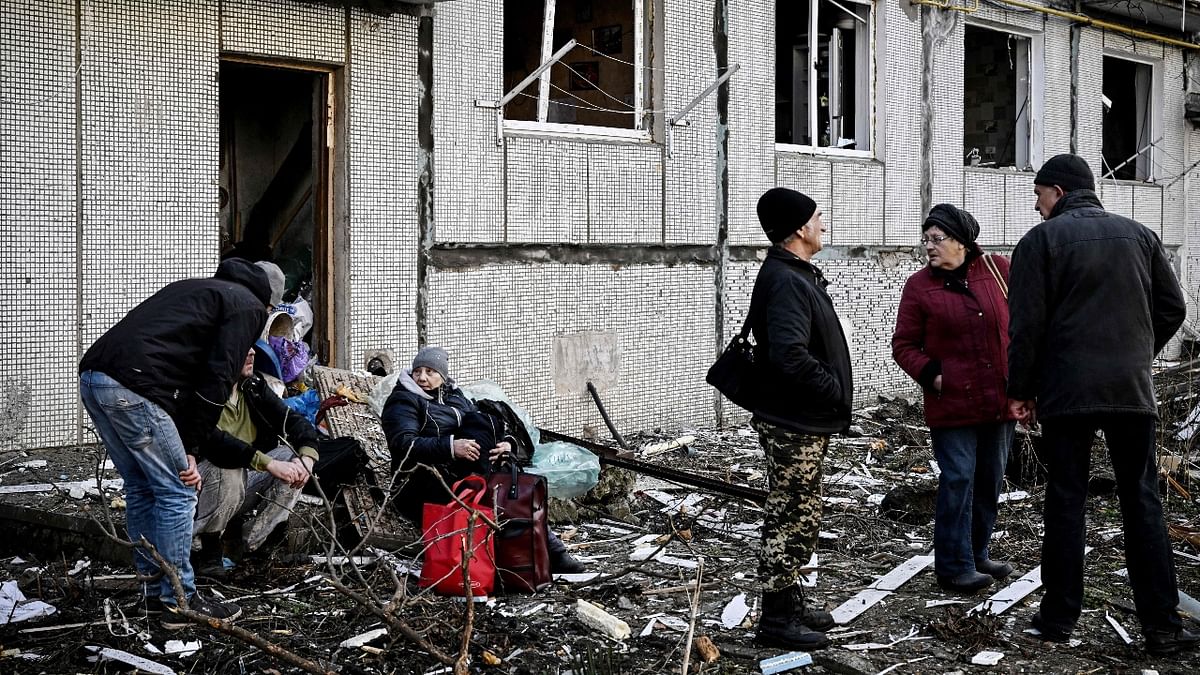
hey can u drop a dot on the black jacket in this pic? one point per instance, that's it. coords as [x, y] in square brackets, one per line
[183, 347]
[275, 423]
[1092, 300]
[803, 361]
[421, 429]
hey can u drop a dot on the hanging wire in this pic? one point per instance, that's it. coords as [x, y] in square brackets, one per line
[596, 86]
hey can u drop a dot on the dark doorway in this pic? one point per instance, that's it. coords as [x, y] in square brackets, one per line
[275, 187]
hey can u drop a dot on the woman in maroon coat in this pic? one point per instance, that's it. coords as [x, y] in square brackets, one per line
[952, 338]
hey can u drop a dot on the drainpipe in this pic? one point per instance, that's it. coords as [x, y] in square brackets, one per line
[425, 175]
[1076, 33]
[721, 50]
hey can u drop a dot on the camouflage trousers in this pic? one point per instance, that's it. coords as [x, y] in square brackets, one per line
[793, 511]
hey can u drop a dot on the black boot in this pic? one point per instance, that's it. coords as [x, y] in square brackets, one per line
[814, 618]
[209, 560]
[781, 626]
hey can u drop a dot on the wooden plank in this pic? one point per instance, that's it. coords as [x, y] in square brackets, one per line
[1013, 593]
[85, 485]
[881, 588]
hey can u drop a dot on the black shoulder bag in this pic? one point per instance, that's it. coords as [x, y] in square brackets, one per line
[735, 373]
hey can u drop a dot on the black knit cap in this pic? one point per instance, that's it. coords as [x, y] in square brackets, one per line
[782, 211]
[1067, 171]
[955, 222]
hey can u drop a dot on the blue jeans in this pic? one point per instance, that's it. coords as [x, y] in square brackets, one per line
[144, 445]
[972, 460]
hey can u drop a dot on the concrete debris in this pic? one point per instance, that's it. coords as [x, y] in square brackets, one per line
[1014, 496]
[735, 611]
[363, 638]
[987, 658]
[598, 619]
[664, 447]
[141, 664]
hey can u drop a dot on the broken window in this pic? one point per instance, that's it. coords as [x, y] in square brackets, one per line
[997, 99]
[1128, 122]
[823, 73]
[599, 83]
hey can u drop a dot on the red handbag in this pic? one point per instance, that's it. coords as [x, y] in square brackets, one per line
[522, 550]
[444, 531]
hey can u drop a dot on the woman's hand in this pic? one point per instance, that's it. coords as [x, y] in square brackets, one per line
[502, 450]
[465, 448]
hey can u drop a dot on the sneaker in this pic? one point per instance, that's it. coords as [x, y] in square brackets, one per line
[967, 582]
[224, 611]
[996, 569]
[1049, 632]
[1160, 642]
[562, 562]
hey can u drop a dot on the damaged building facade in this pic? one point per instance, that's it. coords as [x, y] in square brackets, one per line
[597, 225]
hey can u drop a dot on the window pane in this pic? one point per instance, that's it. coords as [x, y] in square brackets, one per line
[791, 72]
[1127, 85]
[996, 99]
[588, 86]
[843, 72]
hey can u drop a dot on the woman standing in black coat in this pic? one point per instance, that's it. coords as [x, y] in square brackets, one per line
[437, 436]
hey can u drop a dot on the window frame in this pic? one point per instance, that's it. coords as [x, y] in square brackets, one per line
[1036, 67]
[873, 64]
[1155, 113]
[640, 132]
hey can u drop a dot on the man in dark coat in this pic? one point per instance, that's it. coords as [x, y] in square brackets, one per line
[261, 453]
[154, 385]
[805, 396]
[1093, 300]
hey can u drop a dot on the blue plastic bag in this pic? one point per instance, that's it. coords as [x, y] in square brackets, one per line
[306, 404]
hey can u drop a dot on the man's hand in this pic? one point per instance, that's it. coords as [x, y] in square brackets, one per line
[1024, 411]
[292, 473]
[937, 384]
[191, 475]
[465, 448]
[306, 465]
[500, 451]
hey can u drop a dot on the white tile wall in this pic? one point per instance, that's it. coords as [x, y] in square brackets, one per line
[149, 159]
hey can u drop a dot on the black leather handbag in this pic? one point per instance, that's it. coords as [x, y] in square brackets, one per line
[735, 373]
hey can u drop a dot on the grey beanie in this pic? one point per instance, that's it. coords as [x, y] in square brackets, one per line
[275, 276]
[434, 358]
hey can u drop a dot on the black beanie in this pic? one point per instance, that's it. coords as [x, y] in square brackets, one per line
[782, 211]
[955, 222]
[1069, 172]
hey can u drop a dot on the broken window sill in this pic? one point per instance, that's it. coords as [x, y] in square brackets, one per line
[578, 132]
[824, 152]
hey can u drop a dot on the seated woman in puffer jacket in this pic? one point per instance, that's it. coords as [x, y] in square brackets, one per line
[437, 436]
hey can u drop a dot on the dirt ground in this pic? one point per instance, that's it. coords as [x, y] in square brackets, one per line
[289, 601]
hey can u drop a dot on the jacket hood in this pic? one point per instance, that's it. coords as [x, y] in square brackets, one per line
[246, 273]
[406, 380]
[1076, 199]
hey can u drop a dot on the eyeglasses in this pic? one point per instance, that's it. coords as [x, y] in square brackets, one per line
[934, 239]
